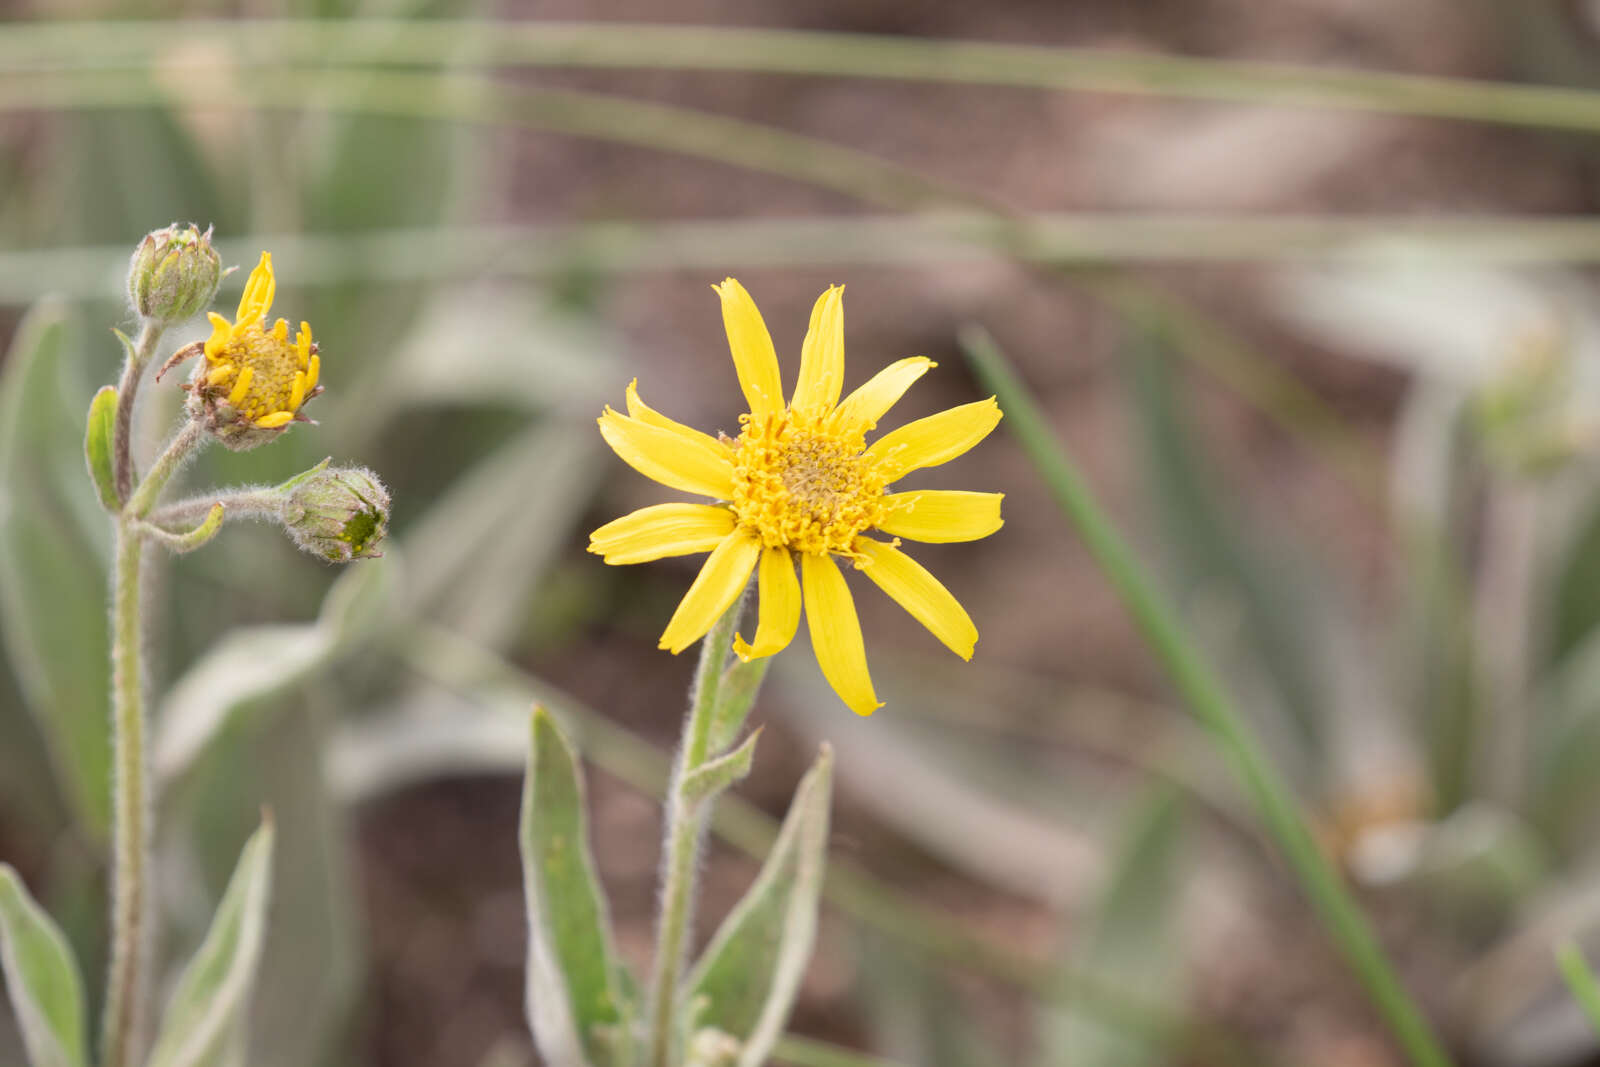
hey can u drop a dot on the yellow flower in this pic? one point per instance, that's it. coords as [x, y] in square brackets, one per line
[254, 379]
[800, 480]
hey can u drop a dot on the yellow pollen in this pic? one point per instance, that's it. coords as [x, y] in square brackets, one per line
[801, 486]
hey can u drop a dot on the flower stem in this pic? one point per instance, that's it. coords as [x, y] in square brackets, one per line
[166, 465]
[686, 824]
[130, 934]
[1202, 690]
[138, 357]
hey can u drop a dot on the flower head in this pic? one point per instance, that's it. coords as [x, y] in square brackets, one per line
[253, 380]
[173, 274]
[338, 513]
[801, 480]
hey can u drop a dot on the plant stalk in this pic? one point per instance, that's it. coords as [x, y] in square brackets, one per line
[686, 826]
[123, 1026]
[166, 465]
[138, 357]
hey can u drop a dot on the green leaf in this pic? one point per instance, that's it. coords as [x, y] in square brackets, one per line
[53, 560]
[255, 662]
[745, 983]
[1131, 944]
[97, 445]
[576, 1005]
[1580, 981]
[41, 977]
[740, 684]
[714, 776]
[205, 1021]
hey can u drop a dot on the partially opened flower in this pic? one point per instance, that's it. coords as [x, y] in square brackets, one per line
[253, 380]
[801, 481]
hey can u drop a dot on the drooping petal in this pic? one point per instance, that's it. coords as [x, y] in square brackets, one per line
[822, 356]
[940, 516]
[779, 615]
[934, 440]
[863, 408]
[715, 588]
[258, 293]
[836, 633]
[221, 334]
[671, 458]
[920, 593]
[753, 356]
[660, 531]
[276, 419]
[638, 409]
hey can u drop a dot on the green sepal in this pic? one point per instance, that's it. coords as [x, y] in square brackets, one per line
[97, 446]
[42, 978]
[205, 1020]
[711, 778]
[745, 983]
[577, 1006]
[302, 476]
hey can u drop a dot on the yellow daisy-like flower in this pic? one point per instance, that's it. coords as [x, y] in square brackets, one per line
[801, 481]
[254, 379]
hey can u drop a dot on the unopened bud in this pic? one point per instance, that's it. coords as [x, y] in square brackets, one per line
[174, 274]
[338, 513]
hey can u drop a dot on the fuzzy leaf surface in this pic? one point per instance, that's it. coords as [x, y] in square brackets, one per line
[42, 978]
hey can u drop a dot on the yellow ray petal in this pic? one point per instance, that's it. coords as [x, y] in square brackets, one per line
[715, 588]
[258, 293]
[671, 458]
[280, 331]
[221, 334]
[297, 392]
[242, 386]
[751, 345]
[863, 408]
[779, 609]
[934, 440]
[942, 515]
[313, 372]
[276, 419]
[822, 355]
[220, 375]
[920, 593]
[638, 409]
[660, 531]
[836, 633]
[302, 344]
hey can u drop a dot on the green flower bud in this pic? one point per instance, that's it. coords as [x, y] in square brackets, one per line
[174, 274]
[338, 513]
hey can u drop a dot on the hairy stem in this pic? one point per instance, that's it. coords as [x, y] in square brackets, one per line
[686, 824]
[241, 504]
[130, 934]
[138, 357]
[166, 465]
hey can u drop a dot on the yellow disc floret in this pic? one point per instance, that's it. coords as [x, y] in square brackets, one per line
[801, 485]
[253, 377]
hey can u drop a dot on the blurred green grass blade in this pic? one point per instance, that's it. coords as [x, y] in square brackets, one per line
[1580, 981]
[204, 1023]
[1202, 690]
[1575, 601]
[1133, 942]
[746, 981]
[1216, 558]
[796, 1051]
[53, 561]
[498, 43]
[575, 1001]
[42, 979]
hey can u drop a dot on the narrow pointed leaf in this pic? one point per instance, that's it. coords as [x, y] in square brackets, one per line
[97, 445]
[745, 983]
[205, 1021]
[576, 1005]
[713, 777]
[53, 560]
[41, 978]
[740, 684]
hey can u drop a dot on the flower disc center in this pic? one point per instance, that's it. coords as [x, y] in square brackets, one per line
[804, 487]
